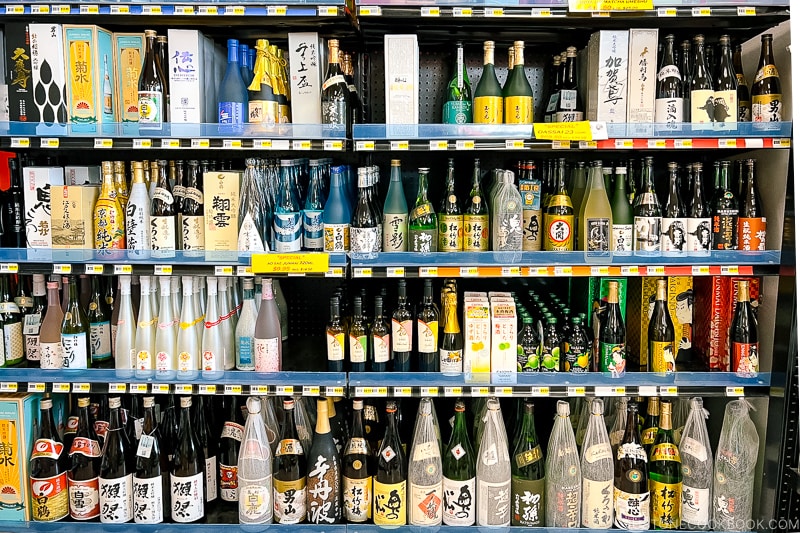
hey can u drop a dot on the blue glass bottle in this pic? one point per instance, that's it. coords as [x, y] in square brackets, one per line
[251, 62]
[312, 211]
[337, 214]
[232, 95]
[287, 222]
[247, 75]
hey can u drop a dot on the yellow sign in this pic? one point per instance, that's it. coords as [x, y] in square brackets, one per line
[610, 5]
[563, 131]
[308, 263]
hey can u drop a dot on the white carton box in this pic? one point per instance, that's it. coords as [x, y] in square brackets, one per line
[187, 75]
[477, 341]
[504, 335]
[642, 73]
[82, 175]
[607, 76]
[401, 71]
[47, 50]
[305, 77]
[36, 182]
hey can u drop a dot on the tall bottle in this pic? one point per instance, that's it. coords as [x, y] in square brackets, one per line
[355, 101]
[422, 221]
[597, 216]
[84, 474]
[212, 343]
[766, 92]
[701, 95]
[364, 232]
[569, 107]
[451, 345]
[163, 219]
[152, 87]
[507, 216]
[253, 230]
[33, 351]
[116, 471]
[697, 465]
[380, 340]
[255, 469]
[476, 216]
[530, 188]
[742, 91]
[631, 494]
[146, 325]
[727, 85]
[724, 212]
[324, 473]
[673, 219]
[559, 215]
[450, 218]
[647, 214]
[125, 355]
[335, 93]
[612, 347]
[151, 479]
[267, 346]
[187, 472]
[230, 442]
[313, 232]
[358, 467]
[75, 332]
[669, 87]
[166, 357]
[402, 331]
[391, 476]
[458, 474]
[597, 469]
[11, 320]
[48, 467]
[262, 101]
[425, 470]
[99, 325]
[661, 334]
[517, 93]
[698, 216]
[14, 233]
[493, 471]
[744, 347]
[488, 102]
[562, 474]
[137, 214]
[109, 218]
[187, 344]
[751, 224]
[622, 214]
[208, 444]
[232, 94]
[246, 327]
[428, 332]
[289, 472]
[395, 213]
[337, 214]
[192, 216]
[358, 339]
[527, 474]
[666, 477]
[335, 334]
[457, 107]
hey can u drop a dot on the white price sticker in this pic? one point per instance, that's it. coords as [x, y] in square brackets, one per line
[145, 143]
[462, 12]
[428, 272]
[237, 11]
[515, 144]
[429, 11]
[159, 388]
[465, 144]
[184, 10]
[223, 270]
[609, 391]
[332, 145]
[233, 389]
[244, 270]
[40, 10]
[359, 272]
[60, 9]
[121, 10]
[510, 271]
[200, 143]
[701, 11]
[429, 391]
[452, 392]
[62, 269]
[207, 389]
[81, 387]
[541, 12]
[138, 388]
[122, 269]
[599, 270]
[562, 271]
[334, 391]
[93, 269]
[734, 391]
[395, 272]
[701, 270]
[399, 145]
[540, 391]
[629, 270]
[327, 11]
[61, 387]
[151, 10]
[576, 391]
[746, 11]
[162, 270]
[469, 272]
[365, 146]
[231, 144]
[103, 143]
[335, 272]
[183, 388]
[729, 270]
[117, 388]
[726, 143]
[479, 391]
[170, 143]
[276, 11]
[655, 270]
[623, 144]
[284, 390]
[667, 12]
[648, 391]
[301, 145]
[20, 142]
[90, 10]
[493, 12]
[36, 387]
[683, 143]
[369, 11]
[669, 390]
[260, 390]
[49, 142]
[8, 386]
[587, 145]
[310, 390]
[656, 143]
[561, 145]
[434, 146]
[401, 392]
[503, 391]
[9, 268]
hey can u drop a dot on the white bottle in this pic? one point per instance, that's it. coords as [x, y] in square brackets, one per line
[188, 346]
[698, 470]
[425, 471]
[175, 289]
[212, 347]
[562, 474]
[166, 358]
[154, 303]
[494, 471]
[258, 289]
[125, 347]
[226, 325]
[199, 305]
[255, 468]
[145, 332]
[268, 351]
[137, 217]
[597, 469]
[246, 328]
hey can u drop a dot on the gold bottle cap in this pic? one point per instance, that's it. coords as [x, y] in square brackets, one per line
[488, 45]
[150, 33]
[83, 402]
[572, 51]
[161, 38]
[107, 167]
[395, 162]
[149, 401]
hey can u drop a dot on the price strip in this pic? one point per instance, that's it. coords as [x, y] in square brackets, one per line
[262, 144]
[60, 9]
[729, 270]
[434, 146]
[726, 143]
[310, 390]
[395, 272]
[734, 391]
[301, 145]
[540, 391]
[61, 387]
[667, 12]
[369, 11]
[701, 11]
[362, 272]
[576, 391]
[123, 269]
[335, 272]
[746, 11]
[12, 9]
[327, 11]
[159, 388]
[452, 392]
[462, 12]
[503, 391]
[477, 392]
[515, 144]
[184, 10]
[510, 271]
[541, 12]
[62, 269]
[334, 391]
[629, 270]
[231, 144]
[469, 272]
[200, 143]
[9, 268]
[538, 272]
[276, 11]
[561, 145]
[232, 390]
[609, 391]
[223, 270]
[40, 10]
[656, 143]
[81, 387]
[162, 270]
[145, 143]
[332, 145]
[183, 388]
[261, 390]
[103, 143]
[623, 144]
[399, 145]
[20, 142]
[402, 392]
[365, 146]
[655, 270]
[648, 391]
[371, 392]
[170, 143]
[493, 12]
[151, 10]
[207, 389]
[8, 386]
[429, 272]
[429, 392]
[284, 390]
[138, 388]
[701, 270]
[90, 10]
[562, 271]
[781, 143]
[93, 269]
[599, 271]
[298, 263]
[602, 14]
[429, 11]
[237, 11]
[563, 131]
[465, 144]
[49, 142]
[36, 387]
[668, 390]
[244, 271]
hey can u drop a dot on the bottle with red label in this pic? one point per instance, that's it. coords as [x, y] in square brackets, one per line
[229, 444]
[48, 470]
[752, 224]
[744, 334]
[83, 477]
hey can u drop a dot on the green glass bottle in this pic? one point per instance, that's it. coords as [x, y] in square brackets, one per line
[458, 100]
[75, 332]
[518, 101]
[458, 470]
[451, 221]
[488, 107]
[422, 226]
[527, 475]
[666, 477]
[11, 326]
[476, 216]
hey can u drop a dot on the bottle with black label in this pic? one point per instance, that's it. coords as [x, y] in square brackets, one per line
[742, 91]
[724, 212]
[187, 476]
[569, 107]
[151, 503]
[116, 471]
[673, 219]
[631, 493]
[527, 475]
[458, 474]
[647, 214]
[701, 95]
[324, 471]
[727, 86]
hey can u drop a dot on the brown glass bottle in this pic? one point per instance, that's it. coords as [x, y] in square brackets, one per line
[83, 477]
[766, 93]
[752, 224]
[49, 464]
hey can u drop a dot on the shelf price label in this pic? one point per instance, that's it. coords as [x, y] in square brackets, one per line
[310, 390]
[701, 11]
[62, 269]
[746, 11]
[541, 12]
[223, 270]
[184, 10]
[123, 10]
[81, 387]
[683, 143]
[40, 10]
[231, 144]
[726, 143]
[469, 272]
[123, 269]
[90, 10]
[36, 387]
[170, 143]
[299, 263]
[401, 392]
[515, 144]
[599, 270]
[61, 387]
[562, 271]
[371, 392]
[334, 391]
[429, 11]
[276, 11]
[261, 390]
[12, 9]
[503, 391]
[656, 270]
[9, 268]
[656, 143]
[428, 272]
[237, 11]
[103, 143]
[609, 391]
[20, 142]
[437, 145]
[144, 143]
[629, 270]
[233, 390]
[365, 146]
[244, 271]
[60, 9]
[493, 12]
[623, 144]
[668, 390]
[734, 391]
[395, 272]
[729, 270]
[333, 145]
[369, 11]
[781, 143]
[8, 386]
[540, 391]
[284, 390]
[162, 270]
[49, 142]
[94, 269]
[667, 12]
[563, 131]
[327, 11]
[561, 145]
[362, 272]
[538, 272]
[183, 388]
[138, 388]
[151, 10]
[462, 12]
[159, 388]
[200, 143]
[429, 392]
[576, 391]
[465, 144]
[510, 271]
[301, 145]
[701, 270]
[399, 145]
[479, 391]
[207, 389]
[452, 392]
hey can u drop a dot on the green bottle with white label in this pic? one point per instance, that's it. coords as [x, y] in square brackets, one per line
[458, 100]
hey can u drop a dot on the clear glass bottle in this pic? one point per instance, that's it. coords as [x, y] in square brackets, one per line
[246, 328]
[267, 344]
[313, 237]
[75, 332]
[253, 234]
[596, 216]
[212, 345]
[364, 231]
[187, 344]
[166, 358]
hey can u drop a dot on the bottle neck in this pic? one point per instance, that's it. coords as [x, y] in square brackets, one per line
[186, 420]
[422, 191]
[488, 57]
[766, 53]
[632, 426]
[323, 422]
[266, 289]
[724, 179]
[665, 422]
[519, 57]
[647, 178]
[358, 424]
[149, 423]
[48, 426]
[699, 57]
[289, 431]
[233, 56]
[669, 53]
[114, 419]
[52, 297]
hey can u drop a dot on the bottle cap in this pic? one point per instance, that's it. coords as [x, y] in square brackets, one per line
[161, 38]
[47, 403]
[358, 405]
[83, 402]
[425, 407]
[253, 405]
[186, 401]
[391, 406]
[460, 407]
[697, 403]
[562, 408]
[150, 33]
[114, 403]
[597, 407]
[248, 284]
[148, 401]
[233, 43]
[288, 404]
[492, 404]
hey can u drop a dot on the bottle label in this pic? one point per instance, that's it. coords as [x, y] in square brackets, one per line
[187, 498]
[767, 108]
[390, 504]
[488, 110]
[451, 361]
[744, 356]
[232, 430]
[50, 495]
[451, 233]
[552, 104]
[559, 232]
[752, 233]
[528, 457]
[425, 505]
[458, 502]
[357, 498]
[162, 233]
[507, 235]
[423, 240]
[724, 228]
[702, 106]
[380, 348]
[401, 335]
[598, 235]
[249, 238]
[151, 105]
[336, 347]
[255, 499]
[631, 511]
[528, 501]
[598, 452]
[726, 106]
[334, 111]
[767, 71]
[647, 234]
[267, 354]
[100, 341]
[364, 240]
[148, 500]
[289, 447]
[245, 353]
[494, 503]
[476, 232]
[74, 350]
[568, 116]
[576, 355]
[323, 492]
[228, 477]
[427, 333]
[84, 497]
[669, 111]
[32, 325]
[231, 113]
[457, 112]
[290, 501]
[263, 112]
[662, 358]
[337, 237]
[598, 506]
[395, 232]
[358, 349]
[744, 110]
[518, 109]
[673, 234]
[116, 500]
[144, 360]
[649, 435]
[622, 235]
[313, 238]
[211, 478]
[288, 232]
[665, 451]
[333, 80]
[14, 342]
[669, 71]
[695, 448]
[612, 359]
[193, 233]
[531, 226]
[699, 236]
[695, 506]
[666, 502]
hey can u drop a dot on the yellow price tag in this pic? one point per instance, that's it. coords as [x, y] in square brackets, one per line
[200, 143]
[562, 145]
[510, 271]
[362, 272]
[726, 143]
[151, 10]
[36, 387]
[9, 268]
[103, 143]
[230, 144]
[20, 142]
[395, 272]
[399, 145]
[701, 11]
[93, 269]
[452, 391]
[334, 391]
[124, 10]
[284, 390]
[145, 143]
[233, 389]
[747, 11]
[503, 391]
[261, 390]
[61, 387]
[599, 271]
[333, 145]
[428, 272]
[62, 269]
[170, 143]
[40, 10]
[701, 270]
[229, 10]
[300, 263]
[429, 391]
[90, 10]
[465, 144]
[138, 388]
[668, 391]
[49, 142]
[622, 144]
[427, 11]
[81, 387]
[462, 12]
[479, 391]
[515, 144]
[122, 269]
[734, 391]
[470, 271]
[183, 388]
[576, 391]
[301, 145]
[223, 270]
[60, 9]
[207, 389]
[15, 10]
[184, 10]
[667, 12]
[540, 391]
[276, 11]
[310, 390]
[402, 392]
[327, 11]
[159, 388]
[656, 143]
[729, 270]
[244, 271]
[625, 5]
[8, 386]
[162, 270]
[563, 131]
[369, 11]
[562, 271]
[437, 145]
[655, 270]
[494, 12]
[364, 146]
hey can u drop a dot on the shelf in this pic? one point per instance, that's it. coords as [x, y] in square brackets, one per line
[244, 8]
[102, 381]
[559, 264]
[554, 385]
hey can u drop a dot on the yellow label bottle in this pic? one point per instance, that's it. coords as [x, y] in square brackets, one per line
[488, 102]
[390, 504]
[518, 100]
[109, 219]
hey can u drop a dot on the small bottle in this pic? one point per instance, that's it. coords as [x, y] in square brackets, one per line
[488, 102]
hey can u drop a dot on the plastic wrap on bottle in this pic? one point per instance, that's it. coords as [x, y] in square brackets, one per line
[302, 422]
[270, 422]
[425, 470]
[255, 468]
[698, 469]
[597, 470]
[494, 470]
[562, 474]
[617, 429]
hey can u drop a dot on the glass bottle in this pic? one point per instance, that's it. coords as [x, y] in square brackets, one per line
[109, 218]
[422, 220]
[253, 230]
[577, 348]
[661, 334]
[569, 107]
[631, 494]
[391, 477]
[247, 76]
[262, 101]
[673, 220]
[698, 221]
[622, 214]
[287, 220]
[751, 224]
[335, 332]
[162, 53]
[12, 351]
[517, 93]
[530, 188]
[116, 471]
[425, 470]
[99, 325]
[246, 327]
[208, 443]
[612, 347]
[230, 441]
[402, 332]
[744, 348]
[13, 211]
[267, 344]
[358, 467]
[727, 86]
[151, 478]
[137, 215]
[596, 217]
[666, 477]
[187, 471]
[766, 92]
[84, 473]
[528, 347]
[559, 216]
[742, 92]
[232, 93]
[450, 218]
[146, 325]
[669, 87]
[452, 344]
[166, 357]
[488, 102]
[697, 465]
[324, 473]
[313, 239]
[686, 74]
[597, 469]
[458, 97]
[381, 341]
[476, 216]
[337, 214]
[152, 85]
[701, 95]
[364, 231]
[527, 474]
[255, 469]
[395, 213]
[163, 220]
[289, 472]
[725, 212]
[212, 343]
[357, 335]
[48, 469]
[75, 332]
[650, 424]
[33, 322]
[458, 474]
[507, 216]
[493, 471]
[335, 93]
[647, 214]
[192, 214]
[428, 332]
[125, 339]
[187, 345]
[355, 100]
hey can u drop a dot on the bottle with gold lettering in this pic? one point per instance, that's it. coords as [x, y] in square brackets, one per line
[518, 101]
[488, 103]
[109, 219]
[666, 477]
[766, 92]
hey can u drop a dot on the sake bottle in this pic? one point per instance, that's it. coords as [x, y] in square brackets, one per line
[666, 476]
[488, 102]
[493, 471]
[395, 213]
[425, 471]
[562, 474]
[507, 216]
[458, 474]
[324, 473]
[212, 346]
[187, 346]
[125, 345]
[631, 494]
[166, 335]
[697, 463]
[597, 469]
[145, 331]
[246, 328]
[289, 472]
[116, 471]
[151, 501]
[187, 471]
[527, 474]
[358, 467]
[255, 469]
[391, 476]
